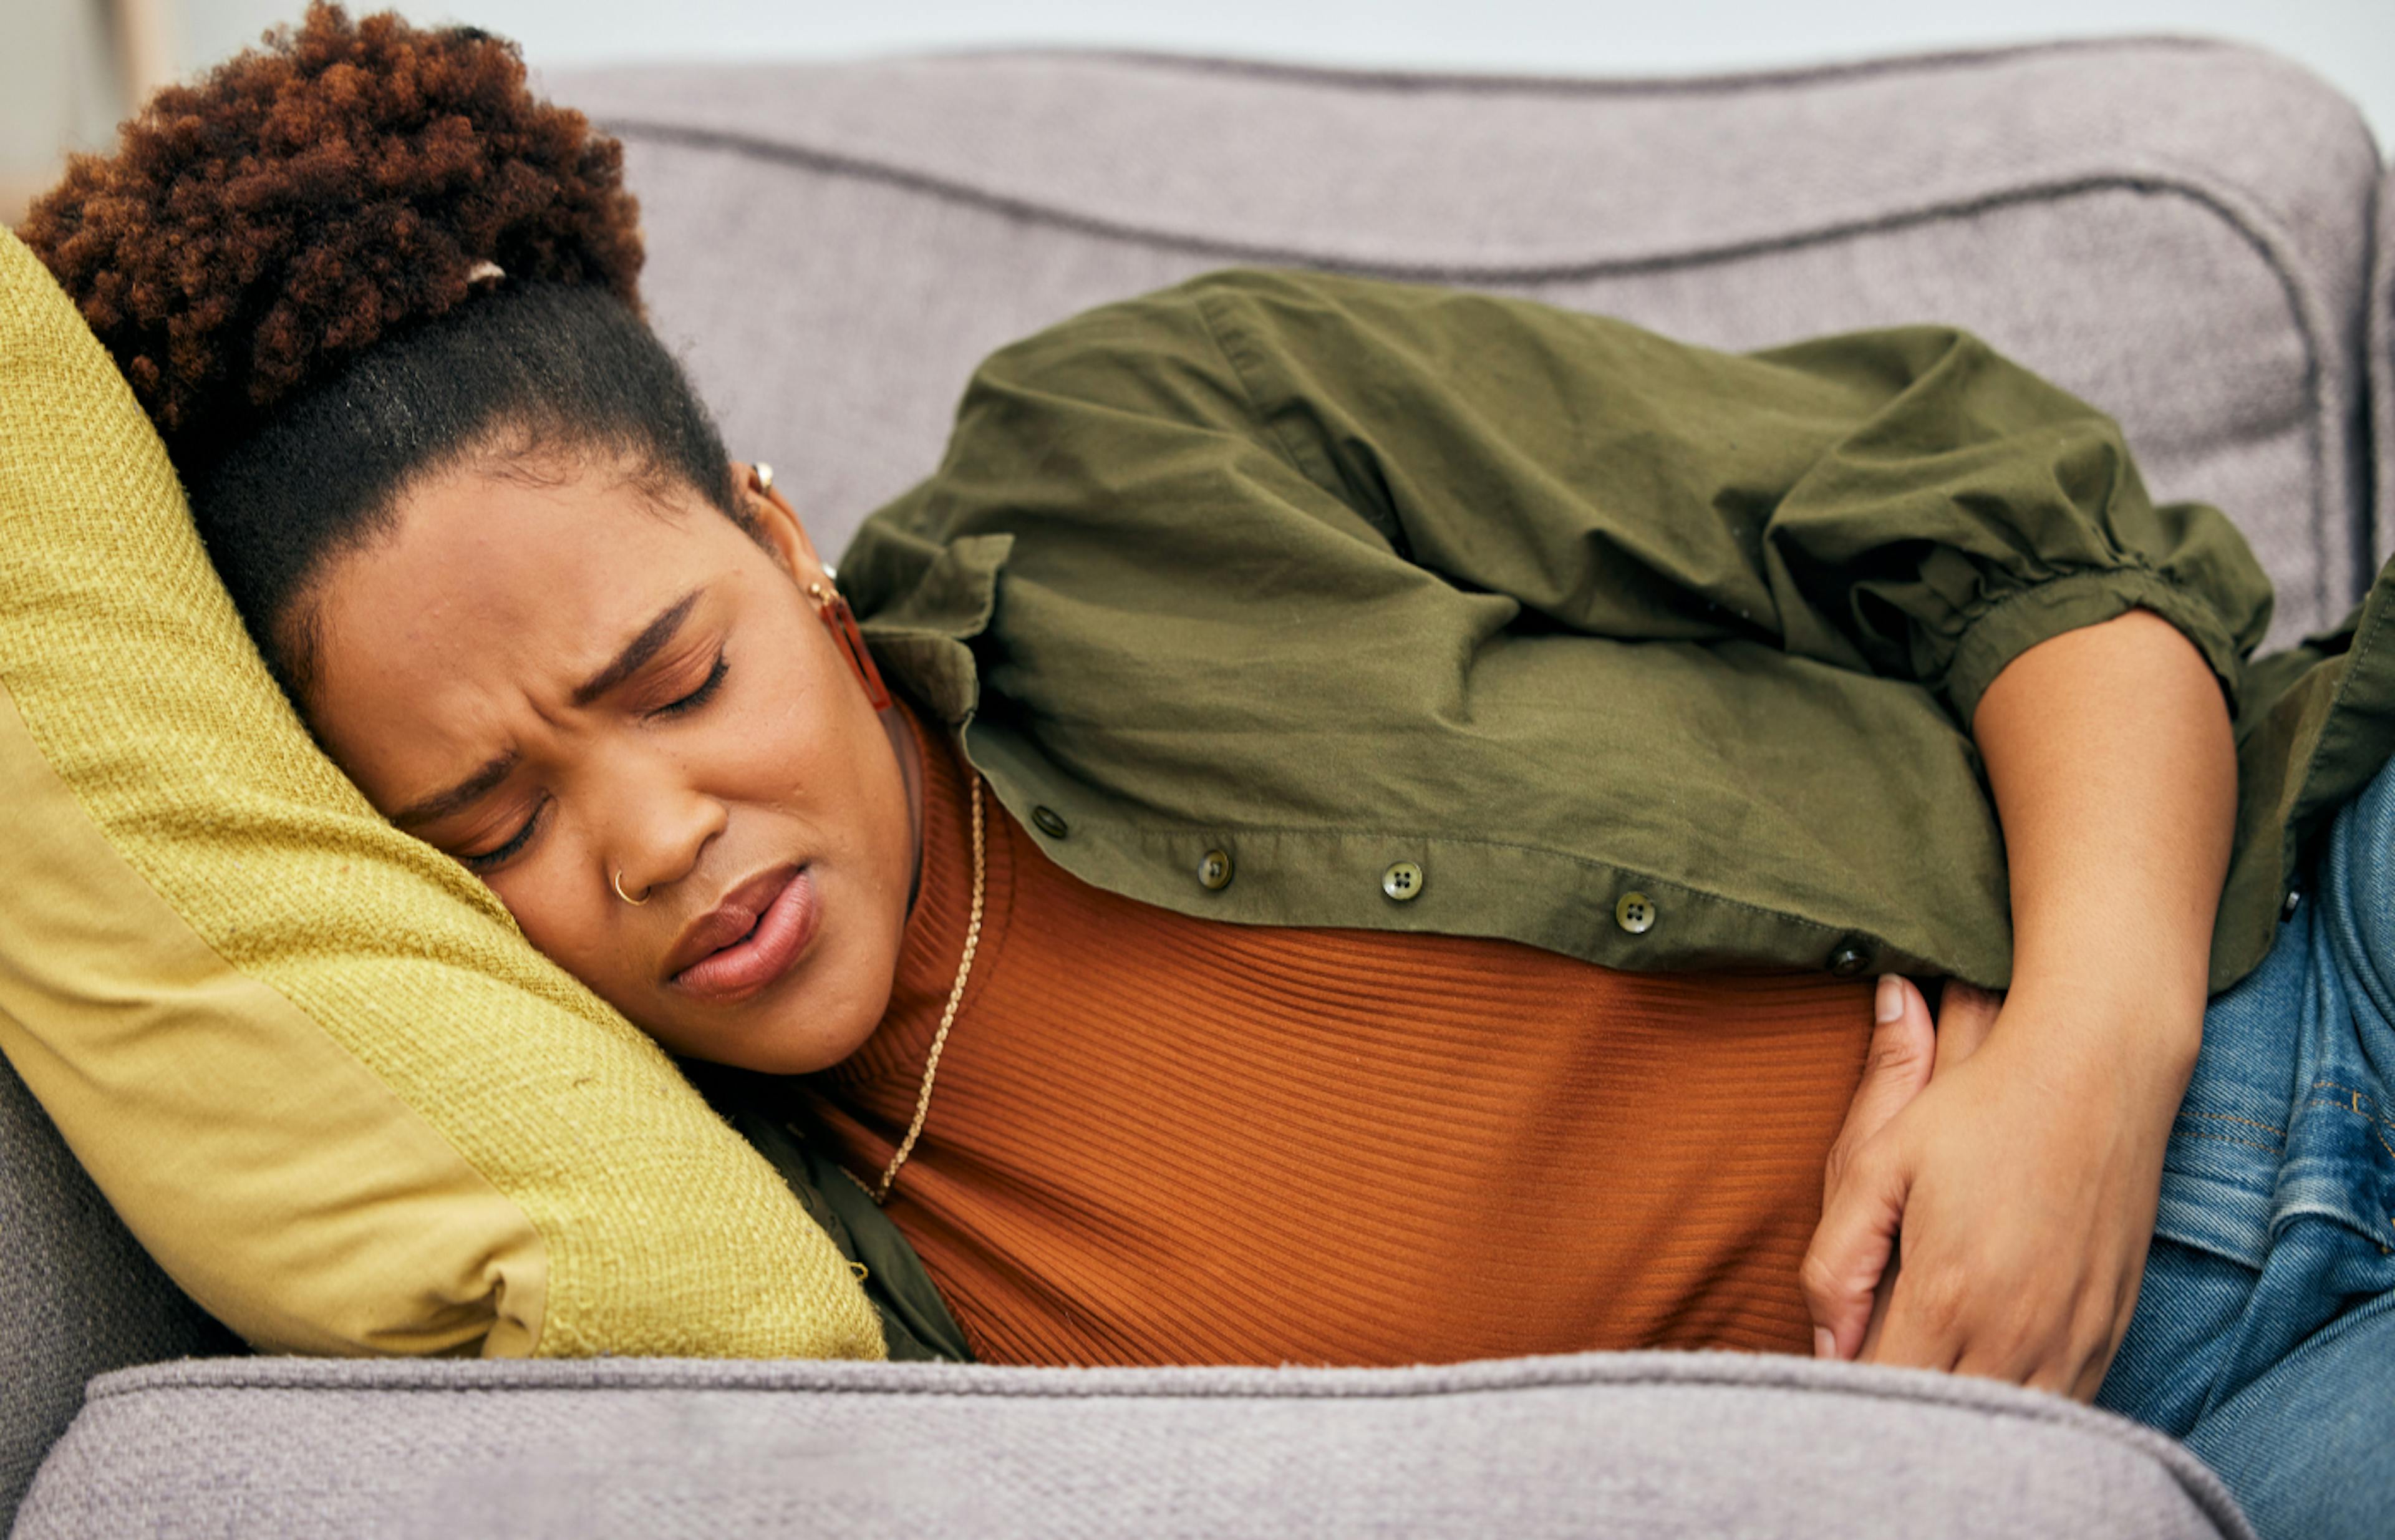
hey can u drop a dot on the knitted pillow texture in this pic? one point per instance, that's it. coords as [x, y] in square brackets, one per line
[310, 1060]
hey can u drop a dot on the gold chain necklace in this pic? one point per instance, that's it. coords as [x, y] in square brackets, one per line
[948, 1017]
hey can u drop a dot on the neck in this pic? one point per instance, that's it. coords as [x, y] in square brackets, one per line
[911, 770]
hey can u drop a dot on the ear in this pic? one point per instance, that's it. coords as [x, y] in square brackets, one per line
[778, 525]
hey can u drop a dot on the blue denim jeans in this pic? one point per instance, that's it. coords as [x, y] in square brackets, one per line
[2265, 1330]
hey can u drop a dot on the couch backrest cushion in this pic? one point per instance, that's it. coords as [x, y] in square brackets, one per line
[2176, 230]
[309, 1060]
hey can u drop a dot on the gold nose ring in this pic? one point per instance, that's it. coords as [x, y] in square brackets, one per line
[618, 880]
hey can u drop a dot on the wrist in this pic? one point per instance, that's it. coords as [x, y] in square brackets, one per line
[2143, 1016]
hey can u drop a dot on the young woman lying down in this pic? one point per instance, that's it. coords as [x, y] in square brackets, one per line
[1342, 822]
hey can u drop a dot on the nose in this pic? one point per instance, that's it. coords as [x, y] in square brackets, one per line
[657, 826]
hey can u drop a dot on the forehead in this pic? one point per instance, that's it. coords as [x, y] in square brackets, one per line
[490, 597]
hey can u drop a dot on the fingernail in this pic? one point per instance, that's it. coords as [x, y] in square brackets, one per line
[1890, 1003]
[1825, 1343]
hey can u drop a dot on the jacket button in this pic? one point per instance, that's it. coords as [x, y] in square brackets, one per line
[1214, 869]
[1402, 882]
[1051, 823]
[1635, 914]
[2294, 901]
[1849, 960]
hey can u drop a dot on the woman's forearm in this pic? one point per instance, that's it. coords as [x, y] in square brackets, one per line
[2022, 1182]
[2115, 778]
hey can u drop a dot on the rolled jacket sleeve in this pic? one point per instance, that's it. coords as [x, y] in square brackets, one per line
[1905, 502]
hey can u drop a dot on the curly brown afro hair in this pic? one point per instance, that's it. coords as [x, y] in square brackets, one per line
[256, 230]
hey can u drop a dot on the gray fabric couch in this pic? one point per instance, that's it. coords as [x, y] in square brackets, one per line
[2190, 233]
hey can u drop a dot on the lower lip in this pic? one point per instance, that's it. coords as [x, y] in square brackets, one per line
[760, 957]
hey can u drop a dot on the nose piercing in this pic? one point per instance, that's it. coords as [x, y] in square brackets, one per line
[618, 880]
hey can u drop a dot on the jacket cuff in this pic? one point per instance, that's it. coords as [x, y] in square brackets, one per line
[2021, 621]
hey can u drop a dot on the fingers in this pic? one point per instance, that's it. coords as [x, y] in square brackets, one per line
[1881, 1298]
[2070, 1358]
[2090, 1378]
[1904, 1049]
[1936, 1318]
[1923, 1327]
[1850, 1251]
[1844, 1272]
[2023, 1199]
[1965, 1017]
[1965, 1013]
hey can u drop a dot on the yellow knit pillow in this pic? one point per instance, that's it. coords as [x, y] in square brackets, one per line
[310, 1060]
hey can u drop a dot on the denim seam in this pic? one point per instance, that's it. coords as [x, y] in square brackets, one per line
[2358, 1096]
[2271, 1129]
[2230, 1139]
[2353, 1105]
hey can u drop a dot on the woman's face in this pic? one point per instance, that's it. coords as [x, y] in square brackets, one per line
[570, 680]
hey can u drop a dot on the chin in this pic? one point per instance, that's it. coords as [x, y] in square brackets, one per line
[818, 1036]
[801, 1058]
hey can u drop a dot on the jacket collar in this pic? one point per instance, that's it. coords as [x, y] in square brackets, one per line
[920, 635]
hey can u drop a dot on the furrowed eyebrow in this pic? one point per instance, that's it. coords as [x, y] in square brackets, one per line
[653, 639]
[651, 642]
[441, 805]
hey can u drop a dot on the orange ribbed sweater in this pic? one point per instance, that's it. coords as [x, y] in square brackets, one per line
[1159, 1139]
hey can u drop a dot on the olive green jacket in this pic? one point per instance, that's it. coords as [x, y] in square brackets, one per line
[1296, 599]
[1305, 600]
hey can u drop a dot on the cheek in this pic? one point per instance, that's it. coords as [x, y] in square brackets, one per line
[809, 739]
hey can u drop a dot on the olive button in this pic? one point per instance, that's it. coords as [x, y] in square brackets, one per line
[1849, 960]
[1051, 823]
[1402, 882]
[1635, 914]
[1214, 869]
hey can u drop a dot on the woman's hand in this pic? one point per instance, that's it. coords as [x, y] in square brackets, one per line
[2019, 1160]
[2023, 1179]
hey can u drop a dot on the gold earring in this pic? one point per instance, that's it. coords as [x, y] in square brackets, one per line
[764, 477]
[839, 620]
[617, 883]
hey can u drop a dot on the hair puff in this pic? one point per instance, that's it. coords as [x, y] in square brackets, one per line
[256, 229]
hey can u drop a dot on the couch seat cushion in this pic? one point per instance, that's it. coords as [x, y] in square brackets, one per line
[1643, 1444]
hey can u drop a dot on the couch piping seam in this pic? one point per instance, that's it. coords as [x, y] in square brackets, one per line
[1499, 82]
[1399, 80]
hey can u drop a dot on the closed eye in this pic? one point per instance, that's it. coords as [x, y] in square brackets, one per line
[699, 696]
[491, 860]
